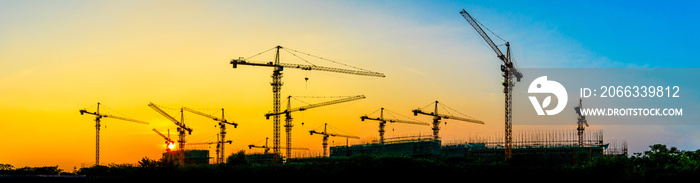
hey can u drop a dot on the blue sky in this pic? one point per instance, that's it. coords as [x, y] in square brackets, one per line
[660, 34]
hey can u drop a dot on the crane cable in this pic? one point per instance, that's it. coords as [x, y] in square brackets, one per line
[259, 142]
[484, 26]
[510, 54]
[317, 128]
[331, 129]
[299, 57]
[321, 96]
[336, 62]
[426, 106]
[93, 105]
[297, 98]
[390, 113]
[445, 106]
[246, 58]
[115, 111]
[373, 112]
[166, 107]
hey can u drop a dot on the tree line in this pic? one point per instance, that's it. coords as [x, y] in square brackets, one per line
[659, 163]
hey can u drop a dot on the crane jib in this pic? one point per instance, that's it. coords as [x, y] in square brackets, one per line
[281, 66]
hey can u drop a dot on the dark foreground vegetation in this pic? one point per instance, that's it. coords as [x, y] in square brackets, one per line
[659, 164]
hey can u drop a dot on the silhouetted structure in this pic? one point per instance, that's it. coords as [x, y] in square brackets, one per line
[550, 145]
[326, 135]
[509, 72]
[181, 127]
[382, 122]
[415, 146]
[98, 118]
[190, 156]
[277, 83]
[221, 142]
[437, 117]
[288, 116]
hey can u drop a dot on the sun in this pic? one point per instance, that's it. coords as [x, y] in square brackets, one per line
[170, 145]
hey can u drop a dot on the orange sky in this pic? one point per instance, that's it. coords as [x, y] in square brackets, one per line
[60, 57]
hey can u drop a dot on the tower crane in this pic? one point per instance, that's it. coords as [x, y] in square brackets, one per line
[581, 121]
[222, 133]
[181, 128]
[382, 123]
[277, 83]
[437, 117]
[326, 135]
[169, 143]
[267, 148]
[288, 117]
[209, 143]
[218, 144]
[98, 118]
[509, 72]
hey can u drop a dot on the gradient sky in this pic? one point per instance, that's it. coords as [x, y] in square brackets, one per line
[57, 57]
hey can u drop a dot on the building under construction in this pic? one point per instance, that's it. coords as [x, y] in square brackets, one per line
[547, 145]
[415, 146]
[189, 157]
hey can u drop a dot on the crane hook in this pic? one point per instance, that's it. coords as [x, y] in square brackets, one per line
[306, 79]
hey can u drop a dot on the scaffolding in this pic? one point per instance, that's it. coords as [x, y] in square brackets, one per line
[415, 146]
[616, 148]
[540, 139]
[554, 145]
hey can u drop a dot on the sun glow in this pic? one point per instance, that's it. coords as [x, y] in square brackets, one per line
[170, 146]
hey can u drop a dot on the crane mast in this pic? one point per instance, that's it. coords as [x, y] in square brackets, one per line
[581, 122]
[326, 135]
[222, 132]
[437, 117]
[509, 72]
[382, 123]
[98, 118]
[277, 85]
[288, 117]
